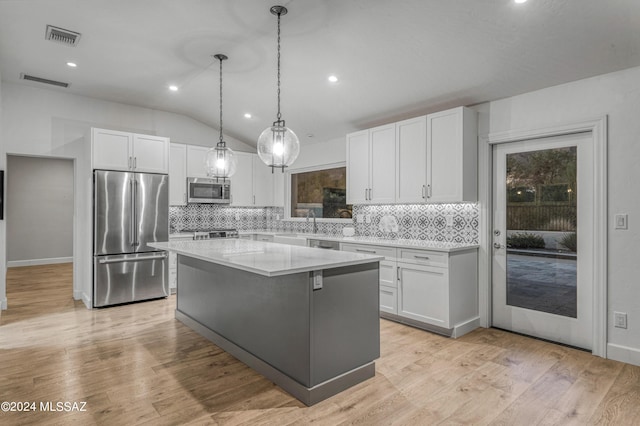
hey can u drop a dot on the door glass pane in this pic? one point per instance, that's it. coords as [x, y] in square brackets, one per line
[541, 230]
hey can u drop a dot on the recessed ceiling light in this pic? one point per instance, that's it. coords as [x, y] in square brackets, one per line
[520, 1]
[173, 88]
[333, 79]
[72, 64]
[247, 115]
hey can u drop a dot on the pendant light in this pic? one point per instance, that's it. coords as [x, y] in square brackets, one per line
[278, 146]
[221, 161]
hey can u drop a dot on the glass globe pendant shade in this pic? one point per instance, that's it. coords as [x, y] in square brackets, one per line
[278, 146]
[221, 162]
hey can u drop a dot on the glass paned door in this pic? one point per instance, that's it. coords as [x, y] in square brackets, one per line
[542, 230]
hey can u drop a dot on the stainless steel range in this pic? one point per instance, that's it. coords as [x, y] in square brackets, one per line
[213, 233]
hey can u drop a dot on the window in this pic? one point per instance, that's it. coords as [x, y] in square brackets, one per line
[323, 190]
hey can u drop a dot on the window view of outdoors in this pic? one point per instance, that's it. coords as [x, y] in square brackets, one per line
[323, 192]
[541, 230]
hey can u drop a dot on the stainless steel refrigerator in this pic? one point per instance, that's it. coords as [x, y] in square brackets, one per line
[130, 210]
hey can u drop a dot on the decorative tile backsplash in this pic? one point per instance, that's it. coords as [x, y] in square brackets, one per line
[433, 222]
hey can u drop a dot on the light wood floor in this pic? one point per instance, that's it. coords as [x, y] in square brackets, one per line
[136, 364]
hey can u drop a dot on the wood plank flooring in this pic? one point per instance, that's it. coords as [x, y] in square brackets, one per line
[136, 364]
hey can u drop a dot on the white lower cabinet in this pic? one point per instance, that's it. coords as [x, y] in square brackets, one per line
[423, 294]
[434, 290]
[173, 262]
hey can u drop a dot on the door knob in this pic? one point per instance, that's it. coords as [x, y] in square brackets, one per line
[496, 232]
[497, 246]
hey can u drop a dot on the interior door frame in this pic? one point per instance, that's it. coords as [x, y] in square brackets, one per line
[598, 129]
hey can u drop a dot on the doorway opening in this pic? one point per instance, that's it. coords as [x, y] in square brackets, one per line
[39, 238]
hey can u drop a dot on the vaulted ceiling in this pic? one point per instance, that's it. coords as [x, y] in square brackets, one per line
[394, 59]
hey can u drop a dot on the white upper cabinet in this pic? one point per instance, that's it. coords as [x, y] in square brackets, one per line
[371, 166]
[358, 167]
[242, 181]
[411, 160]
[196, 161]
[262, 182]
[278, 188]
[252, 184]
[178, 175]
[115, 150]
[452, 152]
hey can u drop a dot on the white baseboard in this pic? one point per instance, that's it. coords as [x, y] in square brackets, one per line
[33, 262]
[86, 299]
[623, 354]
[3, 304]
[465, 327]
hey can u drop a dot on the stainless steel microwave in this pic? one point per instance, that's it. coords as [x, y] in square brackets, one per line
[208, 191]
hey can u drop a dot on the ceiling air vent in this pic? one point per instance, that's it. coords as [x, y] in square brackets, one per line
[24, 76]
[60, 35]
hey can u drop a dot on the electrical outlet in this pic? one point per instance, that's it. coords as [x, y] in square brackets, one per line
[620, 319]
[449, 219]
[237, 216]
[621, 221]
[359, 218]
[367, 218]
[277, 217]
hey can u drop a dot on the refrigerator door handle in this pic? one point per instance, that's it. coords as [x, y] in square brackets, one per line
[135, 213]
[132, 239]
[137, 259]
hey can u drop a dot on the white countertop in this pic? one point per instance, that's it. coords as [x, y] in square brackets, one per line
[398, 243]
[268, 259]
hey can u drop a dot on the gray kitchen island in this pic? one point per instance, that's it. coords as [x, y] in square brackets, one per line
[305, 318]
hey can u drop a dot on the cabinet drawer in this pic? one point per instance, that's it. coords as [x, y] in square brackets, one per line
[388, 252]
[425, 257]
[388, 299]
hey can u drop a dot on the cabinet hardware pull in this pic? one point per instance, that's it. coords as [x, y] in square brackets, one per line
[135, 162]
[184, 197]
[366, 251]
[370, 194]
[398, 273]
[421, 257]
[129, 163]
[428, 191]
[424, 188]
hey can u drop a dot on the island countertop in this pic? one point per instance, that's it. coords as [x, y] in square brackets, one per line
[263, 258]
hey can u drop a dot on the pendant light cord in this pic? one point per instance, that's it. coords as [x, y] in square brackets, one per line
[279, 116]
[221, 139]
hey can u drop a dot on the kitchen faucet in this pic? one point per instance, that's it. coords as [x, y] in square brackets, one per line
[315, 227]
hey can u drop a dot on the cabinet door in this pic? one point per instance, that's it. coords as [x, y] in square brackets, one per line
[423, 294]
[411, 160]
[111, 149]
[262, 182]
[150, 154]
[242, 181]
[196, 161]
[452, 155]
[382, 169]
[358, 167]
[178, 175]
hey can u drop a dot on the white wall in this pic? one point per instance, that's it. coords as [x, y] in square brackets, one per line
[616, 95]
[313, 154]
[45, 122]
[39, 209]
[3, 250]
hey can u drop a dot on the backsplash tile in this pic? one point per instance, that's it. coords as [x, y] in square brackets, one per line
[415, 221]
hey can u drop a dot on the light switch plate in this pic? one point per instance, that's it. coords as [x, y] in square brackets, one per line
[367, 218]
[620, 319]
[360, 218]
[317, 280]
[621, 221]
